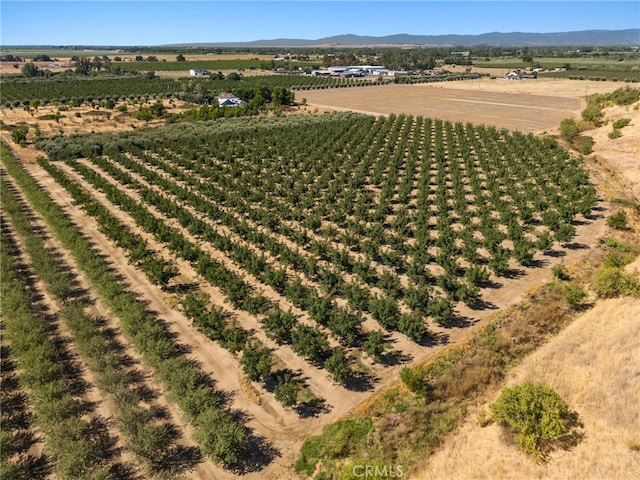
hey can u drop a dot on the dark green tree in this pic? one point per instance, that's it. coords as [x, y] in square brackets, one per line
[309, 342]
[338, 366]
[256, 361]
[286, 391]
[412, 325]
[30, 69]
[375, 345]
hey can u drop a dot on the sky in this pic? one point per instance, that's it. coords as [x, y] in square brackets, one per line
[158, 22]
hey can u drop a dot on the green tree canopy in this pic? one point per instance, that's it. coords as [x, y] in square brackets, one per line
[534, 413]
[256, 361]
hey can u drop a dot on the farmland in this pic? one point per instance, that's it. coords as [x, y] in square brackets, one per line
[528, 106]
[265, 275]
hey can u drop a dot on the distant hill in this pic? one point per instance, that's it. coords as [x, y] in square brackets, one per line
[578, 38]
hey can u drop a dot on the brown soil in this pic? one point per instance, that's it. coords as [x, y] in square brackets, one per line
[525, 105]
[620, 155]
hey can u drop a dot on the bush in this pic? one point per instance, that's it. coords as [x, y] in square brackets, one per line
[560, 272]
[615, 133]
[569, 129]
[414, 380]
[611, 282]
[338, 440]
[621, 123]
[534, 413]
[585, 145]
[624, 96]
[19, 136]
[618, 220]
[574, 295]
[593, 113]
[143, 114]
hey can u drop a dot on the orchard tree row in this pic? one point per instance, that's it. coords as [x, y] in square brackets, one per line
[308, 342]
[149, 441]
[69, 442]
[77, 91]
[219, 434]
[216, 323]
[401, 217]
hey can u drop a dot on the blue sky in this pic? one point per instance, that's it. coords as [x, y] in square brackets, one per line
[153, 22]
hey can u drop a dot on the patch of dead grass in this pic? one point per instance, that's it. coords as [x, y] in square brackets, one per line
[592, 364]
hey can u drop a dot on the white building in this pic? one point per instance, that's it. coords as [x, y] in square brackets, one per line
[228, 100]
[198, 72]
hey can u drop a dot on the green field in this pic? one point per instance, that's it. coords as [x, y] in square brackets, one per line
[30, 52]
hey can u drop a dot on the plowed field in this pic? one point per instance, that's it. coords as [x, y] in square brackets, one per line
[525, 105]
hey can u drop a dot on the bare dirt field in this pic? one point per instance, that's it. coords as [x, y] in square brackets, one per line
[525, 105]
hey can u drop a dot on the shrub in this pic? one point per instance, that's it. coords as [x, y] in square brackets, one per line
[615, 243]
[585, 145]
[19, 136]
[414, 380]
[613, 282]
[593, 113]
[560, 272]
[534, 413]
[624, 96]
[621, 123]
[618, 220]
[615, 133]
[574, 295]
[338, 440]
[569, 129]
[143, 114]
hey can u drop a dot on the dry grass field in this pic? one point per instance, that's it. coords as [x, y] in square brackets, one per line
[592, 364]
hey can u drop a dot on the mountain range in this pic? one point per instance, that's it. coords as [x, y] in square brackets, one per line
[576, 38]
